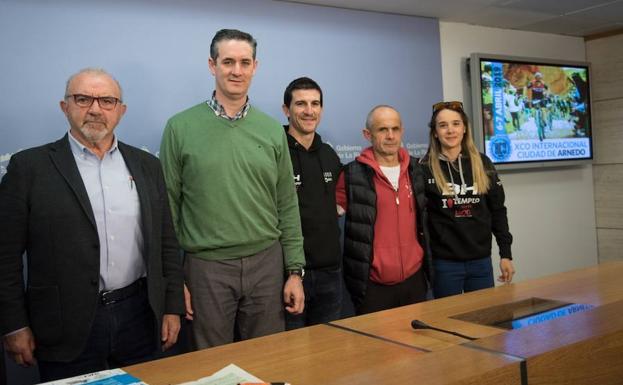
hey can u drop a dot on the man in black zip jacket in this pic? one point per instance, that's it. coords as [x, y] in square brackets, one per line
[316, 168]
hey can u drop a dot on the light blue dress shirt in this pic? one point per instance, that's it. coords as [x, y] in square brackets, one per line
[117, 212]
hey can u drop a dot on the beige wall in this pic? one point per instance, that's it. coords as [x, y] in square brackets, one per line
[606, 57]
[551, 212]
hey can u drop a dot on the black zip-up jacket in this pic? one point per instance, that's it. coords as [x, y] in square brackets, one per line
[315, 175]
[461, 224]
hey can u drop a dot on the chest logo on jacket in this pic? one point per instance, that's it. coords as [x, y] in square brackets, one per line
[463, 201]
[297, 181]
[328, 176]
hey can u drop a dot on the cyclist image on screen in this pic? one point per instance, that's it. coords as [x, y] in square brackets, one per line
[539, 100]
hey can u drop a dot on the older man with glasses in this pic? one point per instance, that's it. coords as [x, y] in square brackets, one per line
[91, 214]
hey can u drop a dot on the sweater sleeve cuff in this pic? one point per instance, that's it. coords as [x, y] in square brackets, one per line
[505, 252]
[293, 258]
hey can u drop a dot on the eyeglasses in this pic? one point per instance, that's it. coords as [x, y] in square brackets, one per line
[105, 102]
[455, 105]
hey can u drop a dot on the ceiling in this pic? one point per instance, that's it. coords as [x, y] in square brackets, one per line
[564, 17]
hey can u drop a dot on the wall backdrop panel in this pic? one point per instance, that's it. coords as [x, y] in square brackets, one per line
[158, 50]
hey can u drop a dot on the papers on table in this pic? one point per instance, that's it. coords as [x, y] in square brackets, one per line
[229, 375]
[104, 377]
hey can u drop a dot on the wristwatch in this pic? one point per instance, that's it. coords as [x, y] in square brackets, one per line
[300, 272]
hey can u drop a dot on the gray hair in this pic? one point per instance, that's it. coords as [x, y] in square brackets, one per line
[373, 110]
[93, 71]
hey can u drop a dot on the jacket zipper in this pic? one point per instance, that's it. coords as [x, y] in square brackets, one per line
[402, 267]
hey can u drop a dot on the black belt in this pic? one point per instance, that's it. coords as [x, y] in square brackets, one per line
[111, 296]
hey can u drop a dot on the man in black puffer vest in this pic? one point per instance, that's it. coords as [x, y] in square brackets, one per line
[386, 252]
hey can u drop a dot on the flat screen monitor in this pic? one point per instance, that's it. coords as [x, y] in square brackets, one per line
[531, 112]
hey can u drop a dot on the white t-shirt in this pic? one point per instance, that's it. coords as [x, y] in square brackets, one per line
[392, 173]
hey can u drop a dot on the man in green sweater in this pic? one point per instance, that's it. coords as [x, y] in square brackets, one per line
[234, 206]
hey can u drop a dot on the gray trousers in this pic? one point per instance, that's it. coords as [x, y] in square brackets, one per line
[245, 293]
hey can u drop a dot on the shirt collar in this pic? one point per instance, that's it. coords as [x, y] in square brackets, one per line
[79, 148]
[219, 110]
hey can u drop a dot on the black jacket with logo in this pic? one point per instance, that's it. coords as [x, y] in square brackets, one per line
[315, 175]
[461, 224]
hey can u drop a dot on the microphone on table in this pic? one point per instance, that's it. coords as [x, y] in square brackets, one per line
[417, 324]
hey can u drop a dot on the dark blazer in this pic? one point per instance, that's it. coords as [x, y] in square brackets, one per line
[45, 212]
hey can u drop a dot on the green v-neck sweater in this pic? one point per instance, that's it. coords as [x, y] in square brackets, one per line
[230, 185]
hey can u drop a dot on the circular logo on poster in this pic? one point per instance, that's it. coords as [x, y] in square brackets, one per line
[500, 148]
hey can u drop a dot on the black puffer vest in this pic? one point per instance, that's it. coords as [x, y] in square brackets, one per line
[359, 225]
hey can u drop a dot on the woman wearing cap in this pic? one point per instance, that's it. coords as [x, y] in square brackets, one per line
[465, 207]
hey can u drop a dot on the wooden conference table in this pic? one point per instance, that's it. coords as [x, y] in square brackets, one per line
[382, 348]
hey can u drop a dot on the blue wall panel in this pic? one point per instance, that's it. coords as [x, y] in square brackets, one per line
[159, 50]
